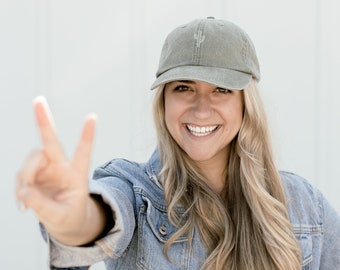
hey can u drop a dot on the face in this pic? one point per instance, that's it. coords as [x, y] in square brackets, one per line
[203, 119]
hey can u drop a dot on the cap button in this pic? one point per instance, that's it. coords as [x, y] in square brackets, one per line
[211, 18]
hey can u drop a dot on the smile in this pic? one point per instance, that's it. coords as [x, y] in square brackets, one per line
[201, 131]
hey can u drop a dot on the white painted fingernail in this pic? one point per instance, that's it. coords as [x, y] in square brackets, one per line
[23, 190]
[39, 99]
[92, 116]
[38, 160]
[42, 100]
[22, 207]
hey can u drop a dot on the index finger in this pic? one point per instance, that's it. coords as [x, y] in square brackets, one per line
[47, 130]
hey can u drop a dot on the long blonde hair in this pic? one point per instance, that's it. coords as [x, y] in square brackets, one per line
[250, 228]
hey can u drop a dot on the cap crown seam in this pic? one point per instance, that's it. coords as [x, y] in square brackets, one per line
[199, 39]
[245, 46]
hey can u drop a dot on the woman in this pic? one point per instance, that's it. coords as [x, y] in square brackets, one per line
[210, 197]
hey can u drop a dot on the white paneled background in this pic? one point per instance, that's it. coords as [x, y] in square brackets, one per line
[100, 56]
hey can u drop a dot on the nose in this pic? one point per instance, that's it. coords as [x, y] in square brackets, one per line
[202, 108]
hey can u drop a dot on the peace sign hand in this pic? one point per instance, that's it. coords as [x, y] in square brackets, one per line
[57, 188]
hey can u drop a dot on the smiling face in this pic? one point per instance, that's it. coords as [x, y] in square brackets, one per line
[203, 119]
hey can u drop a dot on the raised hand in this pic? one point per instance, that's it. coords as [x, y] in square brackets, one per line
[56, 188]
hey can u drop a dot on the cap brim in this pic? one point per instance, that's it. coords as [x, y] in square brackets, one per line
[226, 78]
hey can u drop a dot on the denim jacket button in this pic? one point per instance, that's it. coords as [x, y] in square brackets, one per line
[162, 230]
[142, 208]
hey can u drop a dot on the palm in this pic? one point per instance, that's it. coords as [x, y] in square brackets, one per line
[62, 190]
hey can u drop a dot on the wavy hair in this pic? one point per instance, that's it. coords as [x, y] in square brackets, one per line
[248, 227]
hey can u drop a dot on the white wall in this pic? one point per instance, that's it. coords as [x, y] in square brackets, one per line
[101, 56]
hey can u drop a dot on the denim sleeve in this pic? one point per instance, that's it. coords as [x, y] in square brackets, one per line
[118, 194]
[70, 268]
[330, 256]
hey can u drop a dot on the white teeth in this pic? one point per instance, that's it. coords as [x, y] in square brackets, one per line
[201, 131]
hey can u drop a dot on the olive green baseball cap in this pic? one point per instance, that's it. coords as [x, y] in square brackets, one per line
[209, 50]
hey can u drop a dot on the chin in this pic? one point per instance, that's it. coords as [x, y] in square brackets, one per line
[200, 157]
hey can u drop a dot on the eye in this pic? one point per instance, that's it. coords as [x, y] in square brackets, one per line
[222, 90]
[181, 88]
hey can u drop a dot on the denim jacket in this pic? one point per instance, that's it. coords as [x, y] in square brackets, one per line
[133, 192]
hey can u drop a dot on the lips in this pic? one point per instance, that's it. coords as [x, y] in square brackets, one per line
[201, 131]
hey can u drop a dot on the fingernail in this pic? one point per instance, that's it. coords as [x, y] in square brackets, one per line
[39, 160]
[21, 205]
[23, 191]
[23, 194]
[93, 116]
[39, 99]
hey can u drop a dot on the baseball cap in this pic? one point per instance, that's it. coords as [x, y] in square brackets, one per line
[209, 50]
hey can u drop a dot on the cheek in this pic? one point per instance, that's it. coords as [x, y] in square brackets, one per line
[239, 109]
[239, 113]
[235, 118]
[239, 118]
[170, 115]
[168, 122]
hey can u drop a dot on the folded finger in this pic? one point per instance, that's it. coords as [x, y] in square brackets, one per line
[35, 162]
[30, 197]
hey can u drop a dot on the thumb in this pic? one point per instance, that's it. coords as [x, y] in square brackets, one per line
[32, 165]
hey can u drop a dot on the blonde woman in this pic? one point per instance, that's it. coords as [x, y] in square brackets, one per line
[210, 197]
